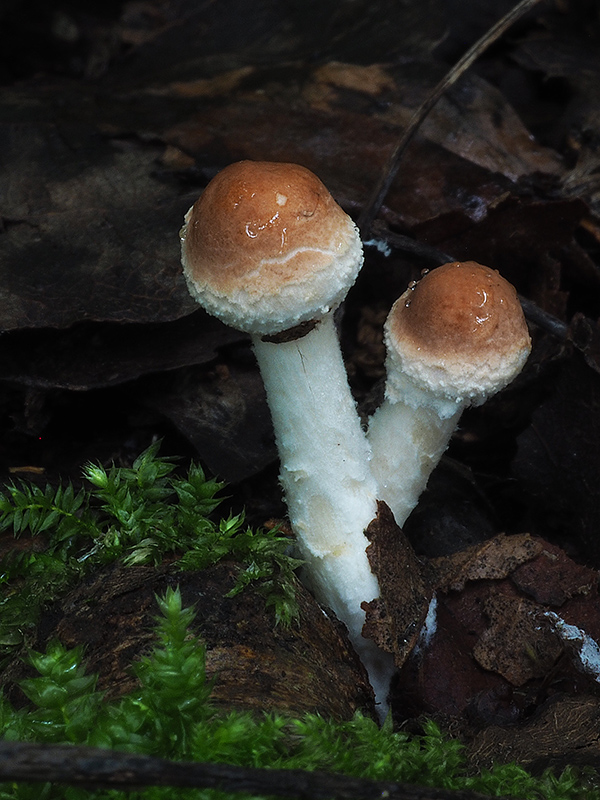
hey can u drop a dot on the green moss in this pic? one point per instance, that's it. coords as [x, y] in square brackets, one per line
[135, 515]
[170, 715]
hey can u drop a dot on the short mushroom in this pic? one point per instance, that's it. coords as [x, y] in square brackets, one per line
[453, 339]
[268, 251]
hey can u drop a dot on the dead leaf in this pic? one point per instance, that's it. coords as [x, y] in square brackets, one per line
[372, 79]
[552, 578]
[443, 678]
[89, 233]
[518, 644]
[95, 356]
[494, 653]
[202, 38]
[475, 122]
[395, 619]
[492, 560]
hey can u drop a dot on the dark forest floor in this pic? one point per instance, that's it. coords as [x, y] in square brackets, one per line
[114, 116]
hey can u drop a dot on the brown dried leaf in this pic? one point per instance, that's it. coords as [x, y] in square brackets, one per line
[394, 620]
[347, 150]
[475, 122]
[372, 79]
[491, 639]
[518, 644]
[202, 38]
[552, 578]
[88, 233]
[492, 560]
[93, 356]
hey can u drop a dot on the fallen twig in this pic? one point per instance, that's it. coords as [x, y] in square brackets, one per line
[96, 767]
[371, 209]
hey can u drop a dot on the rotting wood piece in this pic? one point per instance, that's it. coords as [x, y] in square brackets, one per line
[257, 666]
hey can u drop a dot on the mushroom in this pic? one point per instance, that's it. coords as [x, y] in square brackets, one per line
[453, 339]
[267, 250]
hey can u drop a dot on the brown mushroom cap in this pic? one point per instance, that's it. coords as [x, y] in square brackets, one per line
[266, 247]
[459, 332]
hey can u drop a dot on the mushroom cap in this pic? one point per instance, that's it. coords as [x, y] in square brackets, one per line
[266, 247]
[459, 335]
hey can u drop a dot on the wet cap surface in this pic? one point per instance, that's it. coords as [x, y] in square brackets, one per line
[266, 247]
[461, 307]
[460, 331]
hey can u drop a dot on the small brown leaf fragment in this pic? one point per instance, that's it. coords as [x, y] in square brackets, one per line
[552, 577]
[223, 83]
[518, 644]
[394, 620]
[372, 79]
[176, 159]
[492, 560]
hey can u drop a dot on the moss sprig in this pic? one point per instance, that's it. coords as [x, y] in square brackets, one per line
[135, 515]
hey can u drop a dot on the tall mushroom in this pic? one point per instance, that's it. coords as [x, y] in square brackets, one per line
[453, 339]
[268, 251]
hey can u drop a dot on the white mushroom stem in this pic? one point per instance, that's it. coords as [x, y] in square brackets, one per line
[408, 442]
[325, 473]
